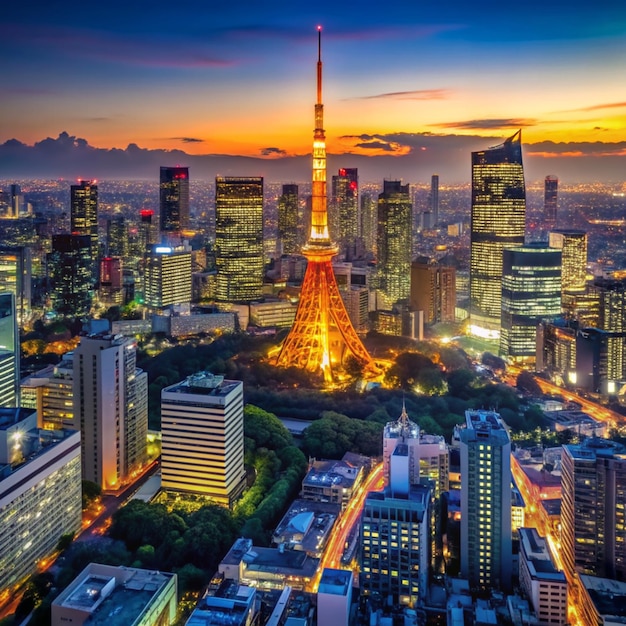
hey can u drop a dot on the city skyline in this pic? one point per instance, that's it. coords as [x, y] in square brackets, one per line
[416, 92]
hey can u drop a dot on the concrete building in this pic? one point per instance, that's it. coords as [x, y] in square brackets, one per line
[268, 568]
[593, 509]
[334, 597]
[106, 594]
[279, 314]
[111, 407]
[603, 601]
[40, 492]
[9, 352]
[202, 437]
[544, 585]
[433, 290]
[16, 277]
[331, 481]
[394, 546]
[225, 603]
[486, 549]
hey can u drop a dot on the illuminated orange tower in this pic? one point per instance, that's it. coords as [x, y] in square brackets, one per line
[322, 334]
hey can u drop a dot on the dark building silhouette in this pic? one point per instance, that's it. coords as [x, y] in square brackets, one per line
[174, 199]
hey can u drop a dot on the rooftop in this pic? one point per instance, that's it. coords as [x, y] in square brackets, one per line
[335, 582]
[204, 383]
[535, 549]
[608, 596]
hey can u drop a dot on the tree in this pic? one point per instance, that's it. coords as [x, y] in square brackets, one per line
[91, 492]
[526, 382]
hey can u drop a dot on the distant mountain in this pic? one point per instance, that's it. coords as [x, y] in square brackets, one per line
[68, 156]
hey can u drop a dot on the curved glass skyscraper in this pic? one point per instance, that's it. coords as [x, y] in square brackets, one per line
[498, 222]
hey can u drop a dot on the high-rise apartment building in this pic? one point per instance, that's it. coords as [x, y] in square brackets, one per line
[612, 319]
[9, 352]
[550, 196]
[16, 276]
[239, 238]
[394, 542]
[111, 406]
[344, 208]
[70, 269]
[167, 276]
[593, 509]
[288, 220]
[40, 493]
[84, 216]
[573, 246]
[531, 292]
[394, 242]
[498, 222]
[202, 438]
[174, 199]
[486, 541]
[433, 290]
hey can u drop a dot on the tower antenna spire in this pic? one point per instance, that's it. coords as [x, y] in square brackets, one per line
[319, 65]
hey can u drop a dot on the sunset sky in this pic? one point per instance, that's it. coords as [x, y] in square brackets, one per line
[239, 77]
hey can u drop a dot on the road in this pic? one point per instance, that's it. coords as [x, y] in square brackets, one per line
[334, 549]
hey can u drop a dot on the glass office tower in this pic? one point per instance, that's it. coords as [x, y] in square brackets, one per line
[239, 238]
[174, 199]
[498, 222]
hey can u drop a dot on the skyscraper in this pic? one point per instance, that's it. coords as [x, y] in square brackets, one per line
[288, 220]
[174, 199]
[202, 430]
[434, 199]
[395, 537]
[550, 195]
[498, 222]
[573, 246]
[394, 242]
[9, 352]
[110, 397]
[433, 290]
[70, 268]
[84, 216]
[16, 276]
[167, 277]
[486, 550]
[369, 222]
[239, 238]
[531, 292]
[322, 334]
[345, 208]
[593, 509]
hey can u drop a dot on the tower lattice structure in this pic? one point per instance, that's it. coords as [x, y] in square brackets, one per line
[322, 333]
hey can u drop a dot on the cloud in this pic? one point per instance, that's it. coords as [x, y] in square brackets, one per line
[273, 152]
[598, 107]
[489, 123]
[576, 149]
[417, 94]
[376, 145]
[188, 139]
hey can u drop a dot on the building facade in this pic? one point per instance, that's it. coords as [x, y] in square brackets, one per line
[573, 247]
[288, 204]
[40, 493]
[531, 292]
[70, 267]
[174, 199]
[167, 277]
[84, 216]
[110, 396]
[9, 352]
[394, 242]
[239, 238]
[593, 509]
[202, 438]
[498, 221]
[486, 540]
[433, 290]
[344, 208]
[16, 277]
[550, 199]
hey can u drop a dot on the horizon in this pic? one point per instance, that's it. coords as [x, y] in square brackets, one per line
[414, 89]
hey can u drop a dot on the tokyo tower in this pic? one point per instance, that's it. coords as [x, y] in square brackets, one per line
[322, 334]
